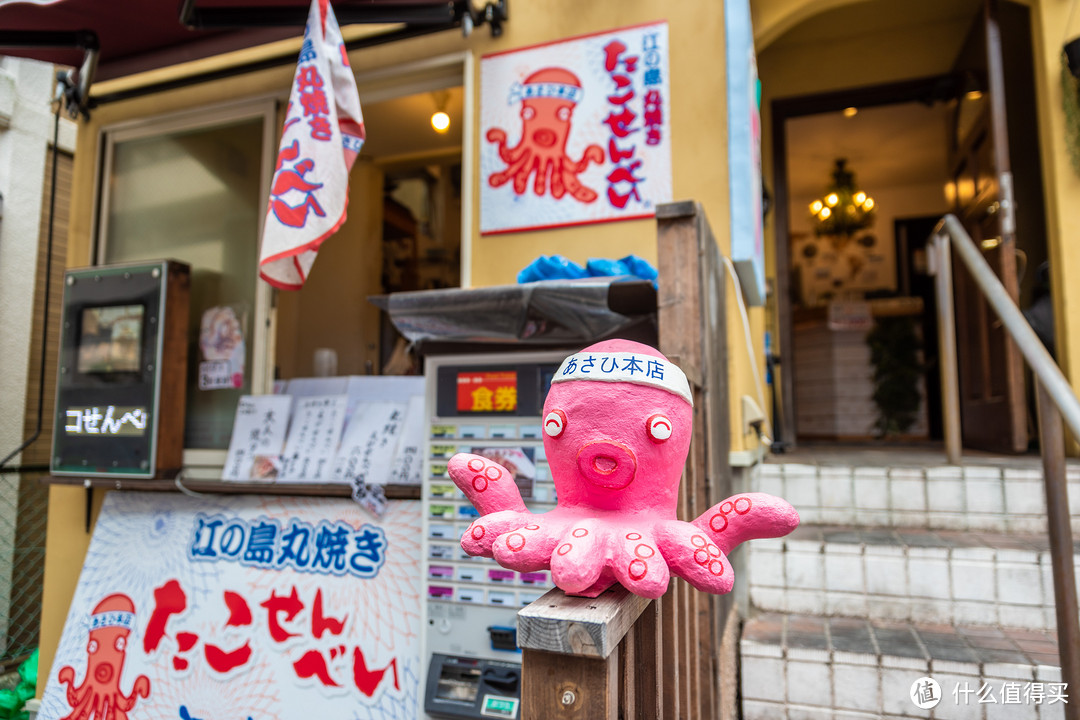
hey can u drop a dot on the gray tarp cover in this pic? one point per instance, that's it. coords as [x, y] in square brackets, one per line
[542, 312]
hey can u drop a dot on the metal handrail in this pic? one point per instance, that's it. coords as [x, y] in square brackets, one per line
[1056, 401]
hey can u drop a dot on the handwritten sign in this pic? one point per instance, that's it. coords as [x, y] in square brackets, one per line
[313, 438]
[243, 607]
[408, 461]
[258, 437]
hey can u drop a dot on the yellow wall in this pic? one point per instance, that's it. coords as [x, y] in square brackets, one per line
[1050, 21]
[699, 160]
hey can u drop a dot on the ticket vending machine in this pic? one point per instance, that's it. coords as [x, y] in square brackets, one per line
[489, 405]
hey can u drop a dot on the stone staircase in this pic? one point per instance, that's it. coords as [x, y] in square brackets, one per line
[904, 568]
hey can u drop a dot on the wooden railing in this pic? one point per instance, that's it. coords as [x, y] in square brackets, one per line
[618, 655]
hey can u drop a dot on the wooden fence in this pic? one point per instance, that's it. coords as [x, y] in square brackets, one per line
[618, 655]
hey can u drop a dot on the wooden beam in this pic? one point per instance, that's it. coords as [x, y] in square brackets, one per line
[579, 626]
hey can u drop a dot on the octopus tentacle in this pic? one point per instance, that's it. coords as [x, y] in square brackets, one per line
[637, 563]
[489, 486]
[141, 688]
[691, 555]
[497, 135]
[577, 190]
[545, 165]
[513, 170]
[480, 536]
[593, 153]
[529, 548]
[578, 560]
[521, 180]
[558, 185]
[746, 517]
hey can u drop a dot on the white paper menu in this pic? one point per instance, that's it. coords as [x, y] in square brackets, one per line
[313, 439]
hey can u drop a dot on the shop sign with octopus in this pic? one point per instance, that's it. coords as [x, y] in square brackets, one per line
[576, 131]
[242, 608]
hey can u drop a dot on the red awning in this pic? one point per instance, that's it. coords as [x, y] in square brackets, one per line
[139, 35]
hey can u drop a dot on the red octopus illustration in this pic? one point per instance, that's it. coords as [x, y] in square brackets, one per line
[99, 696]
[548, 100]
[617, 427]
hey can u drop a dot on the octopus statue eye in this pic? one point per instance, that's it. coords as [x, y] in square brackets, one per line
[121, 643]
[658, 427]
[555, 423]
[563, 114]
[91, 647]
[528, 113]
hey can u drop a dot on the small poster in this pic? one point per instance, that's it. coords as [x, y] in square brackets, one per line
[313, 438]
[221, 340]
[258, 438]
[575, 131]
[243, 608]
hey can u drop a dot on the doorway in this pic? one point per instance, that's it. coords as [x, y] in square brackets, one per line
[909, 121]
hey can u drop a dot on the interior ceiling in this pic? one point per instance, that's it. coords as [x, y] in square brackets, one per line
[402, 126]
[885, 146]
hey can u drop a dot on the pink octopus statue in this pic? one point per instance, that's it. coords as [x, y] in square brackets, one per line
[617, 427]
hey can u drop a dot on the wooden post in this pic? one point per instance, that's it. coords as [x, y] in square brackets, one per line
[570, 667]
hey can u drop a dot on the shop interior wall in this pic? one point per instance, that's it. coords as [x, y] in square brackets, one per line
[879, 271]
[699, 159]
[332, 310]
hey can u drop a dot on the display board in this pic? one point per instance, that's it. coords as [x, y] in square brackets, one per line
[123, 357]
[489, 405]
[243, 608]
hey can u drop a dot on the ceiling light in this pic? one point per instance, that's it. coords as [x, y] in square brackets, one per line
[851, 112]
[440, 121]
[843, 210]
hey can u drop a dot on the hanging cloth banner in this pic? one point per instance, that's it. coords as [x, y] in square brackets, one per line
[324, 131]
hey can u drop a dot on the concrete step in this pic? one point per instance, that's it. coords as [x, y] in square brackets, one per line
[998, 497]
[917, 575]
[806, 667]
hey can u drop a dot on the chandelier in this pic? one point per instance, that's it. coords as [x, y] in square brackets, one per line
[844, 210]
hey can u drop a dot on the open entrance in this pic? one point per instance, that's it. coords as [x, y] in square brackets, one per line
[856, 311]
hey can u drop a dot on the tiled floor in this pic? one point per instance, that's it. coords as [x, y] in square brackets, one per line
[918, 537]
[940, 643]
[872, 454]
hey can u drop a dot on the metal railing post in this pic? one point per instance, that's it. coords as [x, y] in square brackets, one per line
[950, 378]
[1052, 445]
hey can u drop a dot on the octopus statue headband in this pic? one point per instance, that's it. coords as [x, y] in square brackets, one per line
[625, 367]
[112, 618]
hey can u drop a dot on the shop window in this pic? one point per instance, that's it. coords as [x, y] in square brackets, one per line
[193, 189]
